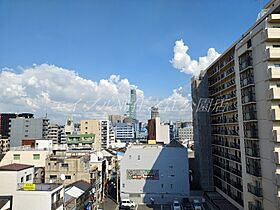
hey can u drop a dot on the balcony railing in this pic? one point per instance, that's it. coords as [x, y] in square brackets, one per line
[245, 64]
[247, 81]
[257, 191]
[253, 206]
[252, 151]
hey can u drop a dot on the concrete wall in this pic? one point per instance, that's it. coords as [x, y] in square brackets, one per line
[26, 157]
[173, 177]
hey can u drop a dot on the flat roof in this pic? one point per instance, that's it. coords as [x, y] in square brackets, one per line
[41, 187]
[15, 167]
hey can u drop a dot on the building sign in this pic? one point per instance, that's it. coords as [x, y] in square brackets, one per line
[29, 186]
[142, 174]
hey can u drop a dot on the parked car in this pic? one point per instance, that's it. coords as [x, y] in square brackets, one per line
[197, 205]
[127, 204]
[186, 204]
[176, 205]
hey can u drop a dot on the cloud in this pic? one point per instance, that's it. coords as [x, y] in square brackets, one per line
[61, 92]
[182, 60]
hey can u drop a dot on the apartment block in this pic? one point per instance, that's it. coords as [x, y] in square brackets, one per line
[243, 99]
[56, 134]
[30, 156]
[81, 141]
[27, 128]
[101, 129]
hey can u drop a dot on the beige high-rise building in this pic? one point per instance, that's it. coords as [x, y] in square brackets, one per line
[243, 87]
[101, 129]
[92, 127]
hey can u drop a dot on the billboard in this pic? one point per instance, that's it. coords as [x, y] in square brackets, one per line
[142, 174]
[27, 186]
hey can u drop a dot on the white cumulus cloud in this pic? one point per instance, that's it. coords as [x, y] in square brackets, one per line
[182, 60]
[61, 92]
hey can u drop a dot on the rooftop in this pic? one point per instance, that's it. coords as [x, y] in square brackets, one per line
[40, 187]
[15, 167]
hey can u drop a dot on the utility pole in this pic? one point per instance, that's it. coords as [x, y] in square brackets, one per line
[117, 186]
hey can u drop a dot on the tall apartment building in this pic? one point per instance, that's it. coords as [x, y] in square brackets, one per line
[124, 132]
[243, 97]
[27, 128]
[5, 121]
[185, 134]
[56, 134]
[101, 129]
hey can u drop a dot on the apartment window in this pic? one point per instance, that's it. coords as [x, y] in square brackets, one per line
[86, 128]
[26, 131]
[67, 177]
[123, 185]
[21, 179]
[129, 157]
[28, 177]
[36, 156]
[171, 186]
[86, 122]
[53, 176]
[16, 156]
[277, 64]
[249, 43]
[138, 157]
[26, 126]
[161, 185]
[64, 165]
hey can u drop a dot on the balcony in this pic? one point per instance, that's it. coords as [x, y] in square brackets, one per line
[277, 179]
[275, 114]
[273, 54]
[276, 135]
[277, 157]
[273, 93]
[257, 191]
[254, 206]
[273, 73]
[252, 151]
[272, 34]
[247, 81]
[274, 18]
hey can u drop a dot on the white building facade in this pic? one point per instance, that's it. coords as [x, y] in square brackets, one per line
[155, 171]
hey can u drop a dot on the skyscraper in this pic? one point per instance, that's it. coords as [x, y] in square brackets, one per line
[132, 104]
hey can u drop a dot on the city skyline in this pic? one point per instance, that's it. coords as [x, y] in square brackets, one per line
[105, 49]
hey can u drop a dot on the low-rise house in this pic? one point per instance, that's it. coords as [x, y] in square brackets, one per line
[30, 156]
[17, 181]
[78, 195]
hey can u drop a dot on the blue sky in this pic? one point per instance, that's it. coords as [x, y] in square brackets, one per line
[133, 39]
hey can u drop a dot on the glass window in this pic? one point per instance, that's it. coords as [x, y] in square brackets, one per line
[28, 177]
[36, 156]
[16, 156]
[67, 177]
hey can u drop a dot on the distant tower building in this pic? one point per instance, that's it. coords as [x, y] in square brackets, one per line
[69, 126]
[154, 112]
[132, 104]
